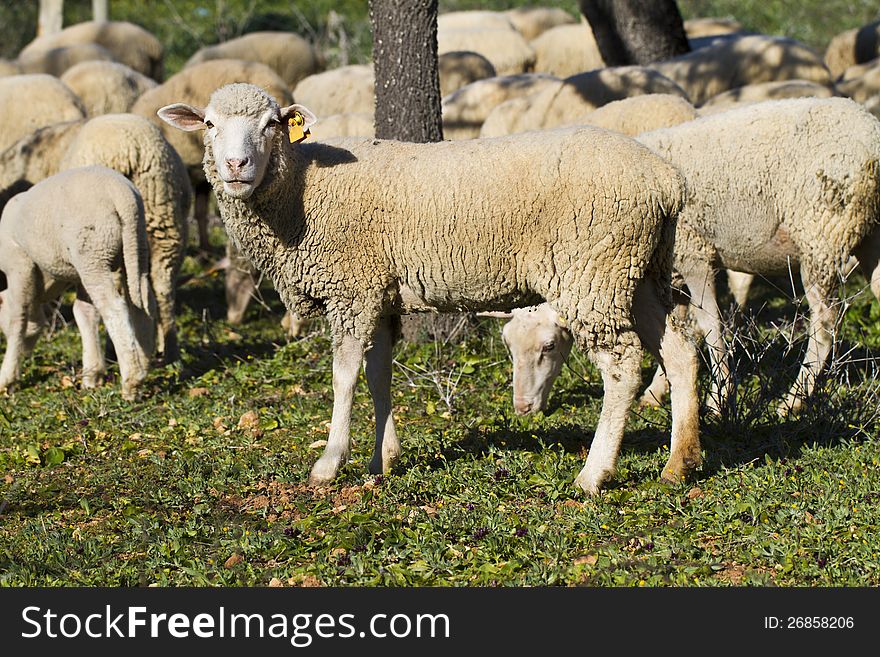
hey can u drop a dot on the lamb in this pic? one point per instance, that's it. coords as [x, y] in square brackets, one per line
[129, 44]
[465, 110]
[852, 47]
[556, 105]
[289, 55]
[58, 60]
[107, 87]
[134, 147]
[737, 61]
[84, 227]
[360, 230]
[28, 102]
[774, 184]
[195, 84]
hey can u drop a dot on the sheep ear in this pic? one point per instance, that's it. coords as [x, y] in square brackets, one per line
[307, 116]
[183, 116]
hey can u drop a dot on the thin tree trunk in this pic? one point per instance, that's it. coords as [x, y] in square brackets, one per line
[51, 17]
[100, 10]
[636, 31]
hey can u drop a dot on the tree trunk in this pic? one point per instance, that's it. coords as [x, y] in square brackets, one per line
[636, 31]
[405, 62]
[100, 10]
[51, 17]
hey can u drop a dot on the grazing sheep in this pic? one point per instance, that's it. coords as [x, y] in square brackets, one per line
[28, 102]
[361, 230]
[564, 102]
[339, 90]
[755, 93]
[772, 185]
[459, 68]
[57, 60]
[134, 147]
[465, 110]
[532, 22]
[855, 46]
[128, 43]
[633, 116]
[567, 50]
[289, 55]
[84, 227]
[735, 62]
[107, 87]
[505, 48]
[195, 84]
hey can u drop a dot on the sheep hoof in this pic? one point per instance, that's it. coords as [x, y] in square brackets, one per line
[789, 407]
[323, 472]
[589, 483]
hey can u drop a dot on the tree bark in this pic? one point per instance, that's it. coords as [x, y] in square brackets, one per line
[100, 10]
[51, 17]
[636, 31]
[405, 63]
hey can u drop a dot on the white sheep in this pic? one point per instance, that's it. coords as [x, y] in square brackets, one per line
[638, 114]
[339, 90]
[851, 47]
[567, 50]
[756, 93]
[28, 102]
[128, 43]
[774, 185]
[364, 230]
[532, 22]
[83, 227]
[461, 67]
[135, 148]
[107, 87]
[58, 60]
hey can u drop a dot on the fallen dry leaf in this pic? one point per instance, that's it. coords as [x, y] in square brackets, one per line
[250, 420]
[694, 493]
[198, 392]
[588, 560]
[232, 561]
[66, 382]
[275, 582]
[318, 444]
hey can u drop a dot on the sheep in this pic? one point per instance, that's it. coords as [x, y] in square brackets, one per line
[9, 67]
[532, 22]
[459, 68]
[734, 62]
[852, 47]
[339, 90]
[474, 20]
[28, 102]
[360, 230]
[861, 88]
[85, 227]
[129, 44]
[564, 102]
[134, 147]
[696, 28]
[567, 50]
[505, 48]
[465, 110]
[195, 84]
[289, 55]
[754, 93]
[638, 114]
[106, 87]
[772, 185]
[58, 60]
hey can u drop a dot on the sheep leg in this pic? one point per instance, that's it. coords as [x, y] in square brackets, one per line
[164, 266]
[117, 316]
[739, 285]
[819, 345]
[202, 194]
[347, 356]
[239, 285]
[656, 391]
[378, 371]
[700, 280]
[88, 322]
[621, 378]
[16, 311]
[868, 255]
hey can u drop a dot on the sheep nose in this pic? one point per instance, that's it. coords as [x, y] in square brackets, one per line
[522, 406]
[236, 164]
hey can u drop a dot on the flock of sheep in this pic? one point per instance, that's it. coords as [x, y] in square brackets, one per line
[611, 196]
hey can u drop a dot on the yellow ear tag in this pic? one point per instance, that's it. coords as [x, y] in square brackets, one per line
[295, 128]
[560, 321]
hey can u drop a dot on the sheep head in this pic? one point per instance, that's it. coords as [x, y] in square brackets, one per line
[242, 123]
[539, 343]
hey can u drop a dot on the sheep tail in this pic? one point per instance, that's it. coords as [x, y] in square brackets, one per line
[136, 256]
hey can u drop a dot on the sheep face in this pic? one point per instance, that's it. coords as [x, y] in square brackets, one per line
[538, 345]
[242, 124]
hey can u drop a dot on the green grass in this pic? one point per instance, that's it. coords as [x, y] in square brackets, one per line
[203, 481]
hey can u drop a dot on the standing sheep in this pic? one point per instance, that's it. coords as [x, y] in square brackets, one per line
[289, 55]
[58, 60]
[107, 87]
[772, 185]
[361, 230]
[84, 227]
[28, 102]
[128, 43]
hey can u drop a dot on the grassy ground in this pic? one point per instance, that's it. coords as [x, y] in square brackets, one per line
[202, 482]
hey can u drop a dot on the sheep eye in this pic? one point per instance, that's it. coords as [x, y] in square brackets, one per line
[548, 346]
[209, 125]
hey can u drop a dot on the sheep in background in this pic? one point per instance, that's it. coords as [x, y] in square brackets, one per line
[851, 47]
[532, 22]
[291, 56]
[459, 68]
[58, 60]
[696, 28]
[565, 101]
[772, 185]
[128, 43]
[638, 114]
[756, 93]
[567, 50]
[9, 67]
[28, 102]
[339, 90]
[506, 49]
[365, 230]
[107, 87]
[84, 227]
